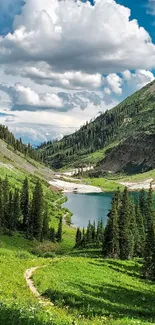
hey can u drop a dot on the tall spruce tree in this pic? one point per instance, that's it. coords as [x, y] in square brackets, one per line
[37, 210]
[24, 202]
[149, 250]
[111, 234]
[124, 227]
[78, 238]
[140, 233]
[16, 210]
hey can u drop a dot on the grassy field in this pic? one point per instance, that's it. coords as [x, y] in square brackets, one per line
[105, 291]
[105, 184]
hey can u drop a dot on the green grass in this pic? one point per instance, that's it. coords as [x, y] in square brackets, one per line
[98, 290]
[105, 184]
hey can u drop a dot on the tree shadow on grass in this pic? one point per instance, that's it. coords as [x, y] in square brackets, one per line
[133, 270]
[93, 300]
[9, 315]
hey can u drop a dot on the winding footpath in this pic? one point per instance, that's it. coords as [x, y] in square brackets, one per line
[28, 275]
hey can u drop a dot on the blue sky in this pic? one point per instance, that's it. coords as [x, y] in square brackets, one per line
[63, 62]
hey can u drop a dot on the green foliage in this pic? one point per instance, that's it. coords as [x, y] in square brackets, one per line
[96, 290]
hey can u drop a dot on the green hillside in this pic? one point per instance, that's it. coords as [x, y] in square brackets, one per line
[135, 115]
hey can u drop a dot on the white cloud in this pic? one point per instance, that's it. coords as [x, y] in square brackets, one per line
[22, 97]
[114, 82]
[43, 74]
[138, 79]
[76, 36]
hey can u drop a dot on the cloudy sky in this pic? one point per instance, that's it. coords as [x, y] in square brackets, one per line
[63, 62]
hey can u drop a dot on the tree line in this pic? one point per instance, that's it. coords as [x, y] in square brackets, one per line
[18, 145]
[21, 211]
[130, 230]
[92, 236]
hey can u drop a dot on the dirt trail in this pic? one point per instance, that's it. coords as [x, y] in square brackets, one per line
[29, 280]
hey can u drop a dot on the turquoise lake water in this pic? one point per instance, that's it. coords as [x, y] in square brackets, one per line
[85, 207]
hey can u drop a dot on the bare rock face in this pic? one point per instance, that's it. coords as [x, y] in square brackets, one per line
[135, 155]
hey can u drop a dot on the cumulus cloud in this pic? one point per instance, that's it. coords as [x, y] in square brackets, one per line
[24, 98]
[42, 74]
[76, 36]
[138, 79]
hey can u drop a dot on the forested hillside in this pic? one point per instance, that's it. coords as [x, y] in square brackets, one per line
[17, 145]
[134, 115]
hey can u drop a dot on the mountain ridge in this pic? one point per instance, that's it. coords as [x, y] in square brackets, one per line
[135, 115]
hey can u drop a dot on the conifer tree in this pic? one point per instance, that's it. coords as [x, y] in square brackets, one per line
[89, 233]
[10, 214]
[59, 232]
[140, 233]
[24, 202]
[1, 206]
[6, 202]
[37, 210]
[78, 238]
[149, 250]
[16, 210]
[83, 241]
[111, 234]
[124, 225]
[52, 235]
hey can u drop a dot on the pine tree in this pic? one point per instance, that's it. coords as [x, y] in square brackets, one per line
[124, 225]
[83, 240]
[52, 235]
[149, 250]
[1, 206]
[78, 238]
[140, 233]
[89, 233]
[16, 210]
[111, 234]
[6, 202]
[24, 203]
[10, 214]
[59, 232]
[37, 210]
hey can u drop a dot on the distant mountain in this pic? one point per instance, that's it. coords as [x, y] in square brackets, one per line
[134, 117]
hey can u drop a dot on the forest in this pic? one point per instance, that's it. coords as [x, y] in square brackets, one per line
[26, 212]
[129, 233]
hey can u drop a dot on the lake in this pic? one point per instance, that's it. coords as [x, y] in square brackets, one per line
[85, 207]
[92, 206]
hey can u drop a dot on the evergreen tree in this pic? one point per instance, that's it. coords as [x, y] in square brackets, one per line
[78, 238]
[124, 225]
[10, 214]
[1, 206]
[6, 202]
[37, 210]
[59, 232]
[89, 233]
[24, 203]
[149, 250]
[52, 235]
[16, 210]
[111, 234]
[83, 241]
[140, 234]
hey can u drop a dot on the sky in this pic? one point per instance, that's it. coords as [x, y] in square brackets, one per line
[64, 62]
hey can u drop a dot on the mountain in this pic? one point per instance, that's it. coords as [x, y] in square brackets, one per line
[134, 155]
[134, 116]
